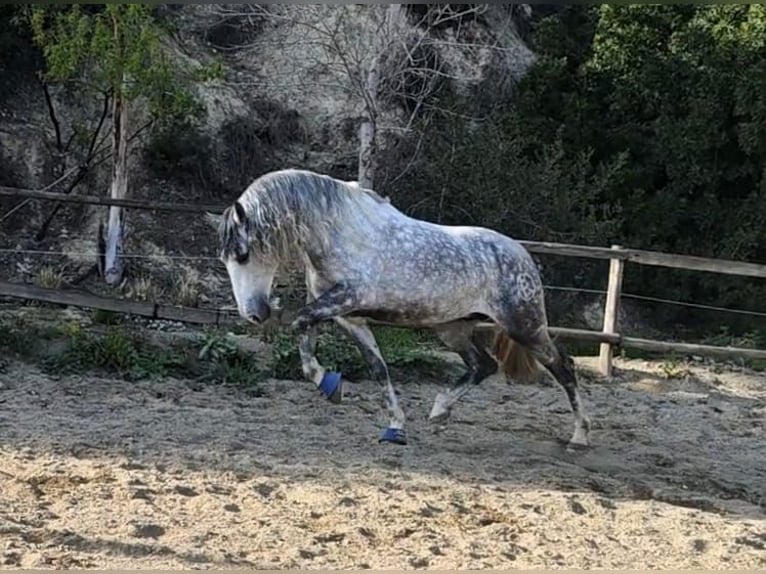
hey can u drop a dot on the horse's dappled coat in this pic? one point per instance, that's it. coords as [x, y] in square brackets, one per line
[368, 262]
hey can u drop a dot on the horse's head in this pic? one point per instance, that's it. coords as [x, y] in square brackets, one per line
[251, 273]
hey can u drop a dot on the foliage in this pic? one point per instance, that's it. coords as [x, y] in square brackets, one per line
[17, 52]
[72, 348]
[495, 175]
[227, 363]
[755, 339]
[49, 277]
[242, 149]
[642, 125]
[682, 88]
[684, 85]
[406, 353]
[116, 352]
[751, 340]
[117, 49]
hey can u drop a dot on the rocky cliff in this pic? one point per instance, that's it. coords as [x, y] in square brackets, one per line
[288, 97]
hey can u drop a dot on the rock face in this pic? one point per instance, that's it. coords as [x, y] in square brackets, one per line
[290, 78]
[289, 97]
[293, 73]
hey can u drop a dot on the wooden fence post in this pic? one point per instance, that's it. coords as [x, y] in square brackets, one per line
[611, 310]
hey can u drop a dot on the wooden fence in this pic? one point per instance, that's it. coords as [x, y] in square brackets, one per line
[617, 257]
[608, 337]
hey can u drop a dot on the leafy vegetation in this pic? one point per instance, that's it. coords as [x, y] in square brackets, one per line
[641, 125]
[116, 350]
[116, 48]
[114, 52]
[407, 353]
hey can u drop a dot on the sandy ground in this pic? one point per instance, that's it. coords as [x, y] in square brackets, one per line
[100, 473]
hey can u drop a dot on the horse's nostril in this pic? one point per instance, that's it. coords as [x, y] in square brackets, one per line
[254, 318]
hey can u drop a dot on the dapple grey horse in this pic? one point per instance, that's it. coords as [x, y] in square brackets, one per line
[366, 262]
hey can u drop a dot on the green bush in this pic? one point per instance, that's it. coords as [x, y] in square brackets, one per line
[642, 125]
[406, 352]
[117, 352]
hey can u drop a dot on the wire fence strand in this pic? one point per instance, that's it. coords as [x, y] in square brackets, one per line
[624, 295]
[93, 254]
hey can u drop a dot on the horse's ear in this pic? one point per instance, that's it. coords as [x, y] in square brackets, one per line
[239, 213]
[213, 219]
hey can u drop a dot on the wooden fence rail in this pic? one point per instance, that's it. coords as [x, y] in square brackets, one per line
[654, 258]
[641, 257]
[203, 316]
[77, 298]
[608, 338]
[108, 201]
[198, 316]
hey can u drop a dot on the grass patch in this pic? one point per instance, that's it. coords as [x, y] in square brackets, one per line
[750, 340]
[406, 351]
[104, 317]
[70, 348]
[188, 289]
[49, 278]
[113, 349]
[20, 339]
[144, 289]
[223, 361]
[116, 352]
[755, 339]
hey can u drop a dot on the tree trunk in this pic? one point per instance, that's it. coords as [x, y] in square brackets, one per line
[368, 144]
[368, 130]
[367, 152]
[113, 263]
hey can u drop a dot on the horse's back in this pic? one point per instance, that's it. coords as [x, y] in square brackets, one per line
[508, 253]
[508, 265]
[402, 247]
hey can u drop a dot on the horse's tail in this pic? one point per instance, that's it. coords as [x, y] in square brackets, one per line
[515, 360]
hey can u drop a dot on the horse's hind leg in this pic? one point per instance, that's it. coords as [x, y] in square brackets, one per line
[561, 366]
[459, 337]
[368, 347]
[557, 362]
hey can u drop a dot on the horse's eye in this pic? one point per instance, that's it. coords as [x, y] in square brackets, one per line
[243, 257]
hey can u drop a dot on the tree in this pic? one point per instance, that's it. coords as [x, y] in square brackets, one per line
[689, 82]
[385, 57]
[677, 91]
[115, 51]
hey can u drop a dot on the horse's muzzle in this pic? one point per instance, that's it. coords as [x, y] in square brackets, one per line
[257, 310]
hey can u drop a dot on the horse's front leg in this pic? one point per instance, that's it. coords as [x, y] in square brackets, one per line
[333, 304]
[362, 335]
[329, 384]
[336, 301]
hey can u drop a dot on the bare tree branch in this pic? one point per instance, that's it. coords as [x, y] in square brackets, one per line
[54, 120]
[383, 58]
[82, 169]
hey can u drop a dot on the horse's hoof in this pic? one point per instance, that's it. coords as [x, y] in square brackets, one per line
[578, 443]
[332, 387]
[439, 417]
[574, 447]
[579, 440]
[394, 436]
[440, 412]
